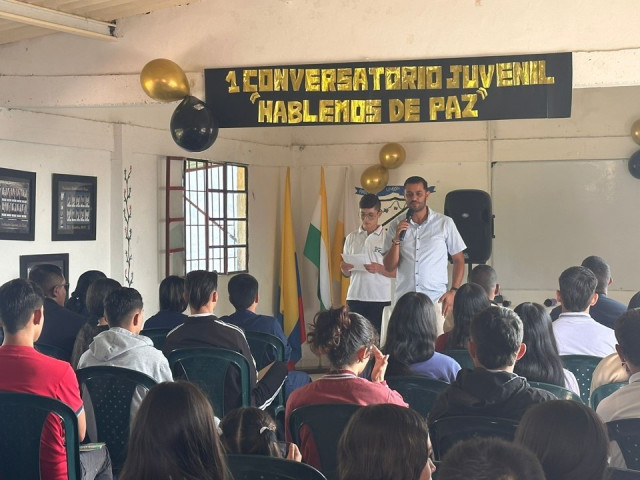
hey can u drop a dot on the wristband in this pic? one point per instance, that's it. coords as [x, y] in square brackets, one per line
[454, 289]
[395, 242]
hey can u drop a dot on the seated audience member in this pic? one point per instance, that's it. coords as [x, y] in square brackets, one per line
[625, 403]
[490, 459]
[542, 362]
[349, 341]
[568, 438]
[24, 370]
[605, 310]
[575, 331]
[491, 389]
[172, 304]
[411, 335]
[634, 302]
[487, 278]
[471, 299]
[97, 292]
[243, 295]
[62, 324]
[77, 301]
[203, 329]
[609, 370]
[385, 442]
[251, 431]
[174, 437]
[122, 346]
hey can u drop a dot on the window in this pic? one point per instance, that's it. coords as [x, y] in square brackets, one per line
[215, 206]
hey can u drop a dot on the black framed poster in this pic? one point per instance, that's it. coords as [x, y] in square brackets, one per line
[73, 207]
[17, 204]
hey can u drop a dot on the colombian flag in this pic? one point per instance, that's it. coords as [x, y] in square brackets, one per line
[290, 310]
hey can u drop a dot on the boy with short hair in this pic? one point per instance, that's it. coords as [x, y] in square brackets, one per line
[24, 370]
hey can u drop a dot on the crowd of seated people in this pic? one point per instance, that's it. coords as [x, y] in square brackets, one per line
[174, 431]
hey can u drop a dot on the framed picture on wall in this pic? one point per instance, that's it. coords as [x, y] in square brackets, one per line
[17, 204]
[27, 262]
[73, 207]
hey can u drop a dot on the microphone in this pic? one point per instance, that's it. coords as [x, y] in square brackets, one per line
[407, 218]
[550, 302]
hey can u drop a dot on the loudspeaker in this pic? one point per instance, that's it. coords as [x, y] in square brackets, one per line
[471, 212]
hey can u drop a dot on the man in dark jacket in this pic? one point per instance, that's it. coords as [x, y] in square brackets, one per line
[491, 389]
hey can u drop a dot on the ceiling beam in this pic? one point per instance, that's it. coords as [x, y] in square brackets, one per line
[21, 12]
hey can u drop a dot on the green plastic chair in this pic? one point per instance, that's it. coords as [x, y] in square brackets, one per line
[447, 431]
[251, 467]
[462, 356]
[603, 391]
[561, 392]
[157, 335]
[52, 351]
[208, 368]
[326, 422]
[110, 391]
[23, 417]
[265, 348]
[582, 366]
[418, 391]
[621, 474]
[626, 433]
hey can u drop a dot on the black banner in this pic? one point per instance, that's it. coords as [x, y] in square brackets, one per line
[442, 90]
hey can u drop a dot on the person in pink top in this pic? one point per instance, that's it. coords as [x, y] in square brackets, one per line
[349, 341]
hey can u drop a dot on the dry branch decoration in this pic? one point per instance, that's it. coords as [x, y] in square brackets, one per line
[126, 211]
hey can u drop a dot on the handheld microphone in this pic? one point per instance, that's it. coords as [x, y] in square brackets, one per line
[550, 302]
[407, 218]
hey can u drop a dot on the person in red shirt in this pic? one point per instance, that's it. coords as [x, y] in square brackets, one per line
[24, 370]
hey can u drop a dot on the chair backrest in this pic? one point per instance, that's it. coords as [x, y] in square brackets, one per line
[561, 392]
[603, 391]
[207, 367]
[157, 335]
[419, 392]
[326, 423]
[462, 356]
[447, 431]
[52, 351]
[111, 390]
[582, 366]
[621, 474]
[250, 467]
[23, 418]
[265, 348]
[627, 434]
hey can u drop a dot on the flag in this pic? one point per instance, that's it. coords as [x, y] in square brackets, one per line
[290, 310]
[316, 248]
[347, 222]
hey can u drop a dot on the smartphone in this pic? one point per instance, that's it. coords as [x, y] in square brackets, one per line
[283, 447]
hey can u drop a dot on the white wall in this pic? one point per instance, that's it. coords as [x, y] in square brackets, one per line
[32, 142]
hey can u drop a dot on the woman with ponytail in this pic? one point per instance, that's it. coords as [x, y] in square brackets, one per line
[251, 431]
[348, 340]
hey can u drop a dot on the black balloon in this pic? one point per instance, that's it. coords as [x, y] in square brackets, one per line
[193, 126]
[634, 164]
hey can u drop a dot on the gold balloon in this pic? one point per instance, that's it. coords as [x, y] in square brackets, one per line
[164, 80]
[374, 178]
[635, 131]
[392, 155]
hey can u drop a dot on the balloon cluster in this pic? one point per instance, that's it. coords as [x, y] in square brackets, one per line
[193, 125]
[376, 177]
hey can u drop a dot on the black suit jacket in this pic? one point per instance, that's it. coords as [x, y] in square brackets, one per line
[60, 327]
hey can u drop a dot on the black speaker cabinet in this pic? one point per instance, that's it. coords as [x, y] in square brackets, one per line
[472, 214]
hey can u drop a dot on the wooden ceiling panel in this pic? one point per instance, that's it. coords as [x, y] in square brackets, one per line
[102, 10]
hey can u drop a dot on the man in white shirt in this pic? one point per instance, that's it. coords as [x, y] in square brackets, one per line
[575, 331]
[420, 254]
[624, 403]
[370, 289]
